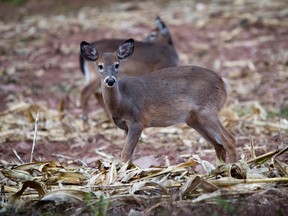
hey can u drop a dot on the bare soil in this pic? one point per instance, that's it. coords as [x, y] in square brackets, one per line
[244, 41]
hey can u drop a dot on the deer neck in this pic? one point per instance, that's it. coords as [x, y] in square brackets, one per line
[111, 97]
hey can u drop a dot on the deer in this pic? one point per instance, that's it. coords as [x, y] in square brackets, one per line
[155, 52]
[181, 94]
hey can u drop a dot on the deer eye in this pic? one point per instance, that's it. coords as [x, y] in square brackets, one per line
[152, 36]
[116, 66]
[100, 67]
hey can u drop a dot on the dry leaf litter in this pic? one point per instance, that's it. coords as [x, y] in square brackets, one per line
[256, 111]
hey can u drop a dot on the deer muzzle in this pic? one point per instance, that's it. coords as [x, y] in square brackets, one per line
[110, 81]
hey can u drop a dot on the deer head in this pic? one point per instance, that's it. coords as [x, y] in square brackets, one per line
[108, 63]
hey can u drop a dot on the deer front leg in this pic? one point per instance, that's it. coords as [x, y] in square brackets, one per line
[88, 90]
[133, 135]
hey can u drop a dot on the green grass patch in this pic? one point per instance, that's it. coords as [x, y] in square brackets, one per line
[16, 2]
[284, 112]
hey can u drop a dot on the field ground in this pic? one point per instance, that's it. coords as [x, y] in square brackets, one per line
[244, 41]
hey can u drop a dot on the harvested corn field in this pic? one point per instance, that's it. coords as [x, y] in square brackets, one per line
[51, 165]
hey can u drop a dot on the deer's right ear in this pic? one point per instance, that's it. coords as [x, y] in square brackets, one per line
[88, 52]
[161, 26]
[125, 50]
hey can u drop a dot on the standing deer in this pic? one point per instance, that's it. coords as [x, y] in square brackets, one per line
[155, 52]
[169, 96]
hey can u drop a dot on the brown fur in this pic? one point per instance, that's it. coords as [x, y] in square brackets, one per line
[189, 94]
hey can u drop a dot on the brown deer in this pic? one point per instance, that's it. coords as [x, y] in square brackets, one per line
[155, 52]
[189, 94]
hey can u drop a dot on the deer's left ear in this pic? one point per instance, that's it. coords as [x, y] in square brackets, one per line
[88, 52]
[125, 50]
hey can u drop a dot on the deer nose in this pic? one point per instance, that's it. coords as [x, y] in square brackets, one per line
[110, 81]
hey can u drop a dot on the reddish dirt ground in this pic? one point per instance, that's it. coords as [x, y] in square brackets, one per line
[42, 67]
[246, 42]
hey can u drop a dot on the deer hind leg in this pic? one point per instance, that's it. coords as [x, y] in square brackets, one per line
[133, 135]
[209, 126]
[86, 93]
[230, 144]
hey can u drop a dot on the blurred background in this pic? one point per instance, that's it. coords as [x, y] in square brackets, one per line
[245, 41]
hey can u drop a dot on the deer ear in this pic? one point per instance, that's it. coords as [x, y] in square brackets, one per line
[125, 50]
[88, 52]
[161, 26]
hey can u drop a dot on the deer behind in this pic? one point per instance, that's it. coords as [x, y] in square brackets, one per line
[166, 97]
[155, 52]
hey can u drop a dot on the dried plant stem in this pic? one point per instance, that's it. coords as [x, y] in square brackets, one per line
[278, 164]
[16, 154]
[35, 136]
[253, 155]
[230, 182]
[265, 157]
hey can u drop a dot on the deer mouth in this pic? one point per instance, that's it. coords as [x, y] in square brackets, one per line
[110, 81]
